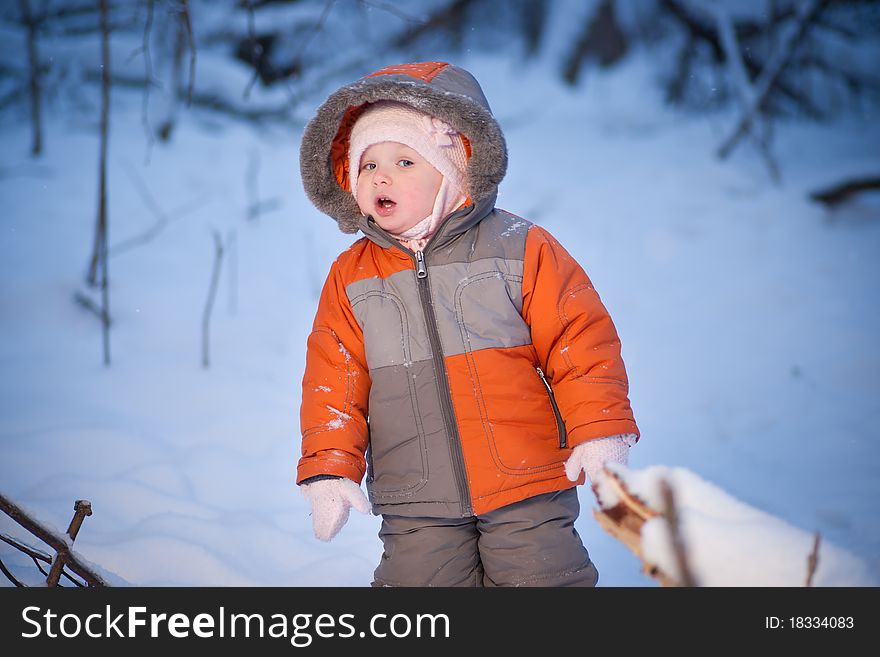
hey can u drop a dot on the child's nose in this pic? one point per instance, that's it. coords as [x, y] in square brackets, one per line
[381, 176]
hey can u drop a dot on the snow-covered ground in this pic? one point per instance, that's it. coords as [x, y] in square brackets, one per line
[748, 316]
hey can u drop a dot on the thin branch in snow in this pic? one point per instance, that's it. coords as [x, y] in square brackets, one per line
[771, 72]
[232, 251]
[148, 78]
[92, 306]
[34, 61]
[255, 207]
[163, 219]
[746, 94]
[50, 537]
[81, 509]
[842, 192]
[9, 575]
[813, 559]
[209, 303]
[186, 17]
[38, 557]
[252, 179]
[670, 512]
[256, 47]
[99, 252]
[394, 11]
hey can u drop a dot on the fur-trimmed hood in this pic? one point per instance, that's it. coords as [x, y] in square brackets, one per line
[446, 91]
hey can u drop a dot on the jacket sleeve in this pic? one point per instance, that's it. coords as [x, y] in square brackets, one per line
[576, 342]
[335, 393]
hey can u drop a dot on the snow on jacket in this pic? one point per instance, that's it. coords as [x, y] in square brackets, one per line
[458, 379]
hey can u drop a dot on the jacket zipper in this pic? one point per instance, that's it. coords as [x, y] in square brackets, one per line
[445, 395]
[560, 423]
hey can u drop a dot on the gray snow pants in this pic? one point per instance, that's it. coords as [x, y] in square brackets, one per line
[528, 543]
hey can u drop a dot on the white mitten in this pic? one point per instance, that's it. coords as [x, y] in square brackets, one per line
[331, 501]
[592, 455]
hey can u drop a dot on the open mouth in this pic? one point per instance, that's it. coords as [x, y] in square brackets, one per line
[384, 205]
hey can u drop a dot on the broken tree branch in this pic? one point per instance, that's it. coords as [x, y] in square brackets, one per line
[742, 86]
[209, 303]
[670, 512]
[53, 540]
[771, 73]
[163, 219]
[186, 17]
[99, 252]
[813, 559]
[842, 192]
[81, 509]
[9, 575]
[34, 63]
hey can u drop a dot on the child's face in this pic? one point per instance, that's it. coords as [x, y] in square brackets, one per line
[396, 185]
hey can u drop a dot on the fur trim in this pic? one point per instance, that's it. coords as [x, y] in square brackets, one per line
[465, 109]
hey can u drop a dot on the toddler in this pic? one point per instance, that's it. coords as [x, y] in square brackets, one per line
[459, 357]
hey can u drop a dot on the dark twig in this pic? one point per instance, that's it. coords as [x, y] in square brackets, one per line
[186, 17]
[162, 218]
[89, 304]
[255, 44]
[81, 508]
[99, 253]
[203, 101]
[209, 303]
[9, 574]
[50, 538]
[670, 512]
[769, 76]
[448, 17]
[601, 37]
[813, 559]
[232, 257]
[148, 77]
[34, 61]
[842, 192]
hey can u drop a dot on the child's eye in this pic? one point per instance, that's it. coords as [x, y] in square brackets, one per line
[405, 163]
[369, 166]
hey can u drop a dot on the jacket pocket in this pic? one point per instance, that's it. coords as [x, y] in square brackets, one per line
[397, 462]
[560, 423]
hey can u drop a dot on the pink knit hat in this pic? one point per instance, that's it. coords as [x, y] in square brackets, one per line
[434, 140]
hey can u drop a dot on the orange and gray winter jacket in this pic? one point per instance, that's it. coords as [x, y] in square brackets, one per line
[458, 378]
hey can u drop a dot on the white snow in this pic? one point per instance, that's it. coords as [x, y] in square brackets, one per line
[748, 317]
[728, 542]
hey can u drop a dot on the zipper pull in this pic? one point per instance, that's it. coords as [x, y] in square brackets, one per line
[544, 380]
[421, 269]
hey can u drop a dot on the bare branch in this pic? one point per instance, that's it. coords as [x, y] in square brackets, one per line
[206, 101]
[448, 18]
[232, 250]
[81, 509]
[9, 575]
[813, 559]
[148, 77]
[99, 252]
[91, 305]
[187, 23]
[742, 87]
[254, 44]
[163, 219]
[209, 303]
[771, 72]
[394, 11]
[34, 62]
[50, 538]
[842, 192]
[670, 512]
[601, 37]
